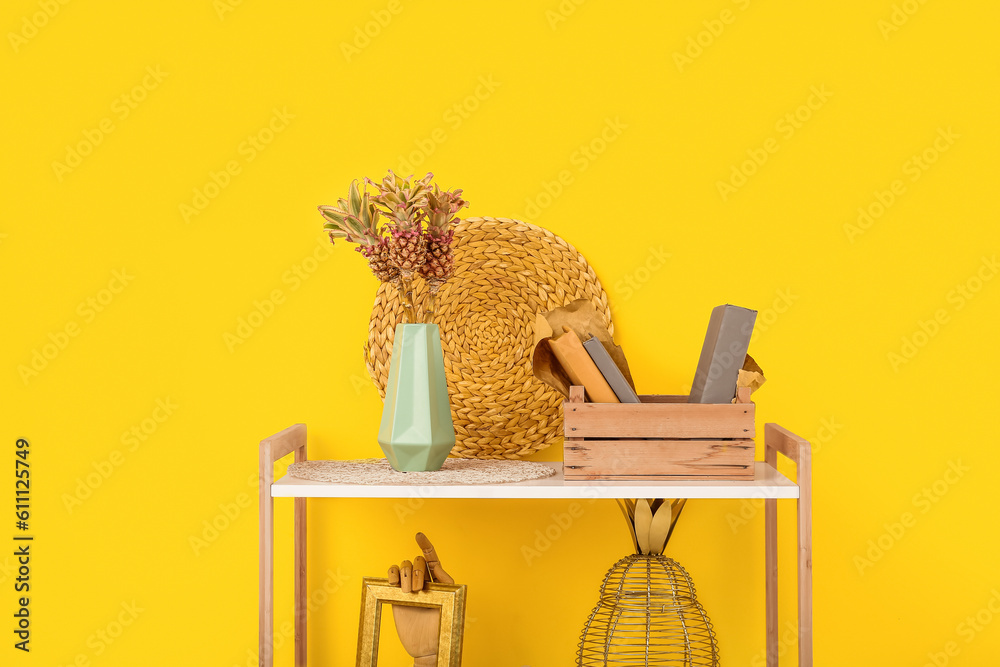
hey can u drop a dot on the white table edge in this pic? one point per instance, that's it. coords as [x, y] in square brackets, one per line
[768, 483]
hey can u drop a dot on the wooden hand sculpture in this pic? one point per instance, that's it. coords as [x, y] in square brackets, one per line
[418, 628]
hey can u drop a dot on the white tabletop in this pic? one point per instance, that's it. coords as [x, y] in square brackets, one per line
[768, 483]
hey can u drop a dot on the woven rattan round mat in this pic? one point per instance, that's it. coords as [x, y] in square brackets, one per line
[454, 471]
[506, 271]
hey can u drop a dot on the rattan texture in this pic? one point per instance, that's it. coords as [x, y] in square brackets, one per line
[454, 471]
[506, 271]
[648, 614]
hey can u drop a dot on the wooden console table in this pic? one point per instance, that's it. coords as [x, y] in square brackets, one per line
[768, 484]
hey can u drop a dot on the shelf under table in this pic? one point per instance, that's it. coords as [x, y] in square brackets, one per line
[768, 483]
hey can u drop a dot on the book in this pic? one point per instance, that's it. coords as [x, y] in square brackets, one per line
[580, 368]
[609, 369]
[723, 354]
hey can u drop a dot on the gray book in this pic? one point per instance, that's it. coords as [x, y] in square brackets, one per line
[609, 369]
[722, 355]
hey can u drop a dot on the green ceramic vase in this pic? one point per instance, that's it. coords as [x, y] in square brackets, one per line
[416, 433]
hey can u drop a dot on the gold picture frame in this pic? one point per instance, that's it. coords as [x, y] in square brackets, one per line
[449, 598]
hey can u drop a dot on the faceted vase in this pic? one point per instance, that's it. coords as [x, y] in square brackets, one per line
[416, 433]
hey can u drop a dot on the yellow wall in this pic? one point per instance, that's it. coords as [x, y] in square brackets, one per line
[159, 99]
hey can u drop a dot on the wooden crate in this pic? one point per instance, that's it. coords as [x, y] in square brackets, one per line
[663, 438]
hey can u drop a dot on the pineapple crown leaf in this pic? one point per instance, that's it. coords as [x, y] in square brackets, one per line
[354, 219]
[651, 522]
[416, 235]
[402, 199]
[355, 198]
[442, 206]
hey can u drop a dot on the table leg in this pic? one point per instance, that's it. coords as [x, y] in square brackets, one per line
[300, 573]
[265, 652]
[771, 567]
[292, 439]
[781, 440]
[804, 512]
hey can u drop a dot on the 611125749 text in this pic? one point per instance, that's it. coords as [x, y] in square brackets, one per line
[22, 544]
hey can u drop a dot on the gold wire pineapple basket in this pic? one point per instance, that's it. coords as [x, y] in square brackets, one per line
[648, 612]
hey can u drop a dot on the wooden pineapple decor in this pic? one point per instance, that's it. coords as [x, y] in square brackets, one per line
[648, 612]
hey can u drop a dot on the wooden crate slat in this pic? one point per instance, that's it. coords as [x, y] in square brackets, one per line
[663, 438]
[663, 398]
[747, 476]
[614, 458]
[658, 420]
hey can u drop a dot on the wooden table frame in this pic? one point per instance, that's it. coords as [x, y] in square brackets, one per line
[780, 440]
[279, 445]
[777, 440]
